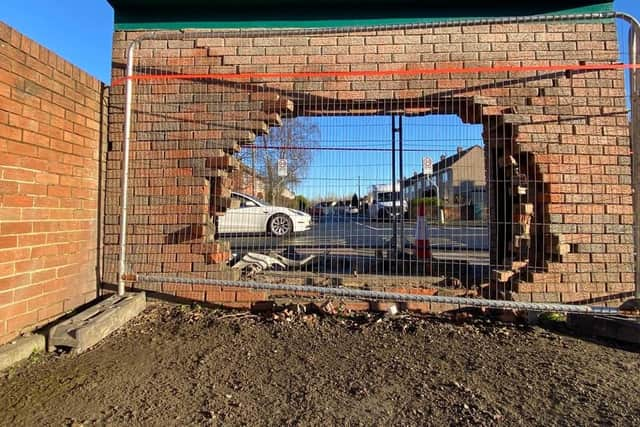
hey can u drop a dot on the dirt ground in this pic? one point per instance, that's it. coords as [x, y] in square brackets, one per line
[176, 365]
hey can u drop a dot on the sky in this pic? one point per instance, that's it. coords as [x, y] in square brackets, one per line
[81, 30]
[343, 167]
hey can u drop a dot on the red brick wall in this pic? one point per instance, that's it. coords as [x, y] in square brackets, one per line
[50, 134]
[567, 131]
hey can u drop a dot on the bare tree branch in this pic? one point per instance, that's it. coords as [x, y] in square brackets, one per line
[294, 142]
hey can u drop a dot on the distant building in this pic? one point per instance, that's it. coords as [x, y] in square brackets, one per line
[460, 175]
[287, 194]
[242, 181]
[460, 178]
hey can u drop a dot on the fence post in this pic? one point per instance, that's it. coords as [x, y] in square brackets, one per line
[634, 86]
[125, 168]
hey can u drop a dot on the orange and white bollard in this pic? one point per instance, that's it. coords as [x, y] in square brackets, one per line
[422, 243]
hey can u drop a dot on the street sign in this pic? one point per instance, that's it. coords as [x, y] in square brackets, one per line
[427, 166]
[282, 167]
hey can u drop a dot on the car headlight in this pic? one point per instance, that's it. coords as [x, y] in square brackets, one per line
[297, 212]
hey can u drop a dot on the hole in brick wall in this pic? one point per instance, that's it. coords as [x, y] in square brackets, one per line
[327, 165]
[339, 170]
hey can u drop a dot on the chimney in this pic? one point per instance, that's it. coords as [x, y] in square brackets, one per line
[459, 150]
[442, 157]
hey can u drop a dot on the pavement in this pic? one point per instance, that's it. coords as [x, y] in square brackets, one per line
[20, 349]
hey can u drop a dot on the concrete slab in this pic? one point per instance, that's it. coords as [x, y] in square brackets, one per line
[619, 328]
[20, 349]
[86, 329]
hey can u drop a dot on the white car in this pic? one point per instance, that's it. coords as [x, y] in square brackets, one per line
[254, 216]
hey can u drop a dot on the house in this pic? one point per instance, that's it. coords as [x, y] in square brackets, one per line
[460, 175]
[243, 180]
[455, 178]
[246, 180]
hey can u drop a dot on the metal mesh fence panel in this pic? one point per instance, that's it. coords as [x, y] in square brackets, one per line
[475, 160]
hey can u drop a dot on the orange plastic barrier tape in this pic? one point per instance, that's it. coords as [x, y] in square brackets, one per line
[370, 73]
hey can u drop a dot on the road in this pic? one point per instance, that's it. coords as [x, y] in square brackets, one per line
[356, 235]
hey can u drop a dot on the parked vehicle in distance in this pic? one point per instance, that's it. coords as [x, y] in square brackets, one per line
[323, 209]
[344, 208]
[381, 201]
[352, 210]
[249, 215]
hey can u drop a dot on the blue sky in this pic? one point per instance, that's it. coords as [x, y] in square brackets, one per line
[81, 30]
[337, 173]
[78, 30]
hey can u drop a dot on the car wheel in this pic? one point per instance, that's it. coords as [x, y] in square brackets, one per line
[280, 225]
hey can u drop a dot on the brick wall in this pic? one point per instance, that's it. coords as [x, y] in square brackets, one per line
[50, 122]
[561, 224]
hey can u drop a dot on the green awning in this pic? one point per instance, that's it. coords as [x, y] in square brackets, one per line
[172, 14]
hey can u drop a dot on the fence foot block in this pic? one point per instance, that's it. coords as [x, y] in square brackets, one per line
[612, 327]
[87, 328]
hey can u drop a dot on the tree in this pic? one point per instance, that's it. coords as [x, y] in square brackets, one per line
[301, 203]
[294, 142]
[355, 201]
